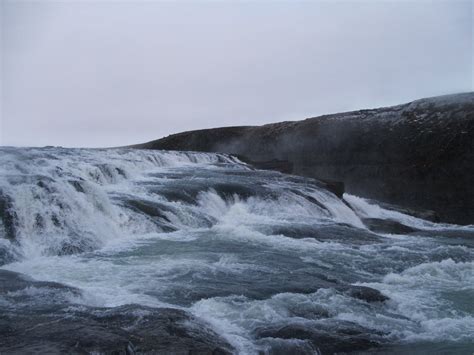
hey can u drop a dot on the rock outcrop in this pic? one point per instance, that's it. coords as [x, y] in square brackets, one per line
[418, 155]
[39, 317]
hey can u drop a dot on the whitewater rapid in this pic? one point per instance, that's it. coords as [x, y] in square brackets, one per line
[270, 262]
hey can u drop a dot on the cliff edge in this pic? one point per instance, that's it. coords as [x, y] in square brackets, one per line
[418, 155]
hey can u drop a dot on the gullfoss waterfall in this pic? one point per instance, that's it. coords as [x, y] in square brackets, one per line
[138, 250]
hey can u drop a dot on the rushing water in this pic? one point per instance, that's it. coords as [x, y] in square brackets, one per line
[271, 262]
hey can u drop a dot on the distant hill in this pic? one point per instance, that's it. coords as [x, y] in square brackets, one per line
[419, 154]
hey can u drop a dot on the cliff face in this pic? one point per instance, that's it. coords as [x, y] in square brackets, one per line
[419, 155]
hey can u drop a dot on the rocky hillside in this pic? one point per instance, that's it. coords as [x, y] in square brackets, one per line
[418, 155]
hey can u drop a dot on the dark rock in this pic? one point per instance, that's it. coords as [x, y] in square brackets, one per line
[336, 187]
[8, 215]
[278, 346]
[388, 226]
[341, 233]
[156, 211]
[428, 215]
[283, 166]
[419, 155]
[329, 337]
[6, 255]
[46, 322]
[77, 185]
[122, 330]
[366, 294]
[11, 281]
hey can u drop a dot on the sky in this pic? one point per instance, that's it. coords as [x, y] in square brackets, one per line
[108, 73]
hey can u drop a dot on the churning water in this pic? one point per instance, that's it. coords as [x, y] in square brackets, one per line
[272, 263]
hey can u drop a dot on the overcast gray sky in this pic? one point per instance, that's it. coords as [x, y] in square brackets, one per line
[104, 73]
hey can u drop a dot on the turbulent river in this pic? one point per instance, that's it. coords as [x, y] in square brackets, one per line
[178, 252]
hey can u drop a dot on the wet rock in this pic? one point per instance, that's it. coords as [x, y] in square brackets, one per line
[336, 187]
[6, 255]
[366, 294]
[228, 190]
[8, 216]
[11, 281]
[38, 317]
[278, 346]
[77, 185]
[341, 233]
[150, 208]
[388, 226]
[328, 337]
[156, 211]
[425, 214]
[121, 330]
[283, 166]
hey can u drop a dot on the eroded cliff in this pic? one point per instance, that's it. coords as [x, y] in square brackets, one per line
[419, 155]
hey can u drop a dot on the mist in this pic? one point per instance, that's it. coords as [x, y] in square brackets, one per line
[100, 74]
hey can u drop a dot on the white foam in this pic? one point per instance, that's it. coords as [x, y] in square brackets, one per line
[419, 294]
[366, 209]
[52, 214]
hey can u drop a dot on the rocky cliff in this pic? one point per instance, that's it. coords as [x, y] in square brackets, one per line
[419, 155]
